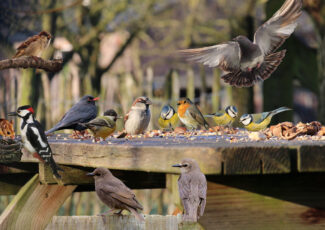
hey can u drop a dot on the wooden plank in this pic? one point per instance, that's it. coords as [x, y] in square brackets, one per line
[312, 158]
[306, 189]
[76, 175]
[34, 205]
[233, 209]
[235, 160]
[113, 222]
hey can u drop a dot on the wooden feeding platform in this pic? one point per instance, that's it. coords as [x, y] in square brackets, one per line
[270, 184]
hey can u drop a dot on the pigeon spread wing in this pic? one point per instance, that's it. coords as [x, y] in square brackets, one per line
[271, 35]
[225, 56]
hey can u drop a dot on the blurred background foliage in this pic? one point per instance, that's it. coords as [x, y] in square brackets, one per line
[122, 49]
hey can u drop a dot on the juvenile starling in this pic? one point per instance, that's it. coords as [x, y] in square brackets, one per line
[192, 186]
[114, 193]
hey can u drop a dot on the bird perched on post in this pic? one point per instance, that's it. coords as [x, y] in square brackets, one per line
[248, 62]
[192, 186]
[168, 117]
[114, 193]
[34, 138]
[260, 121]
[103, 126]
[224, 117]
[83, 111]
[34, 46]
[136, 121]
[190, 115]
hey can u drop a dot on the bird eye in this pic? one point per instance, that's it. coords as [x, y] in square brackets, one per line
[8, 132]
[185, 165]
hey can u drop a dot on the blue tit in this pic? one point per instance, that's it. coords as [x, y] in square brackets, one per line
[168, 117]
[103, 126]
[260, 121]
[224, 117]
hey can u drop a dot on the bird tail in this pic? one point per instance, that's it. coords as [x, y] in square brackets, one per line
[270, 64]
[55, 168]
[247, 79]
[55, 128]
[122, 135]
[137, 215]
[280, 110]
[241, 78]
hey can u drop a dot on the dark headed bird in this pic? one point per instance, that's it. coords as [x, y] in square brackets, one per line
[190, 115]
[82, 112]
[248, 62]
[34, 138]
[192, 187]
[114, 193]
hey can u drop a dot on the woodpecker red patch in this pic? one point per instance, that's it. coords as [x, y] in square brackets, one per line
[31, 110]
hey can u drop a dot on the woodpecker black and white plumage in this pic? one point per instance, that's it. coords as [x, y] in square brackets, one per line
[34, 138]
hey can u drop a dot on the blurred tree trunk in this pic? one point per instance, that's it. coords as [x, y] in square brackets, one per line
[278, 89]
[316, 9]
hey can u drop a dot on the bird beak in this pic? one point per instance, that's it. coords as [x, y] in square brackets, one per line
[90, 174]
[13, 114]
[177, 165]
[96, 99]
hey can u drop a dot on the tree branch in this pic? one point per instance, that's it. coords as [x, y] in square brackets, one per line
[54, 65]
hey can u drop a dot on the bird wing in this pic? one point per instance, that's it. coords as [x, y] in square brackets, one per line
[225, 55]
[28, 42]
[77, 114]
[118, 190]
[184, 189]
[271, 35]
[259, 117]
[101, 121]
[195, 113]
[202, 193]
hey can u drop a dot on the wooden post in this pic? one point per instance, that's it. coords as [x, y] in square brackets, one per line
[34, 205]
[215, 90]
[175, 88]
[190, 91]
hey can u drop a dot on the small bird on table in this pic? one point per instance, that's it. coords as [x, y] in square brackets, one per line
[114, 193]
[34, 46]
[190, 115]
[34, 138]
[136, 121]
[224, 117]
[103, 126]
[192, 187]
[168, 118]
[82, 112]
[260, 121]
[248, 62]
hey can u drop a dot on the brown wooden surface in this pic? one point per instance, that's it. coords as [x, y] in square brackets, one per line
[34, 206]
[236, 209]
[214, 157]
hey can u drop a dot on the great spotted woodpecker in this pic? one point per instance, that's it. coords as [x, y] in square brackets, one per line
[34, 138]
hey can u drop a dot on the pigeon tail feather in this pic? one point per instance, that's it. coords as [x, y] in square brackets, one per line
[247, 79]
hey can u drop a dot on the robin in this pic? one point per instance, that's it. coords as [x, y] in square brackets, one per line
[190, 115]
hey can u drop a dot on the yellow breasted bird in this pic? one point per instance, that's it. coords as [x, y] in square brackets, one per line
[224, 117]
[190, 115]
[103, 126]
[260, 121]
[168, 117]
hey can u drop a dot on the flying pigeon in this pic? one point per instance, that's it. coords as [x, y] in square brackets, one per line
[248, 62]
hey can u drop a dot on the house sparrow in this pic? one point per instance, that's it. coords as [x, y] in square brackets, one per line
[34, 46]
[136, 121]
